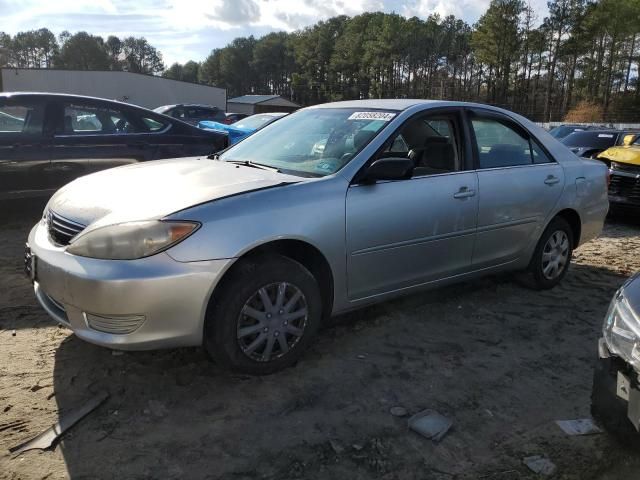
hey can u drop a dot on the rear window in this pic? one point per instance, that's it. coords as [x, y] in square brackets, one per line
[591, 139]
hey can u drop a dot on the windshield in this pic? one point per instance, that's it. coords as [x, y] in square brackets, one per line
[314, 142]
[591, 139]
[255, 121]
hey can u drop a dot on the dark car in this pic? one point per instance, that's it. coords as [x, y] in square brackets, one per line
[194, 113]
[562, 131]
[590, 143]
[47, 140]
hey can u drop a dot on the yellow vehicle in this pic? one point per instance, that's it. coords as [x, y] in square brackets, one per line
[624, 171]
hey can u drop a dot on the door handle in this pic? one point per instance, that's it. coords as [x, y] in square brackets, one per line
[551, 180]
[464, 192]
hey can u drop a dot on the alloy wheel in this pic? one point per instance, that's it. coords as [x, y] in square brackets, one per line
[272, 321]
[555, 255]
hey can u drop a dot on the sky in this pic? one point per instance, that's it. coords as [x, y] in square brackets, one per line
[189, 29]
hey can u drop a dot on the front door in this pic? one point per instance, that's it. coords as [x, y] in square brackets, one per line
[414, 231]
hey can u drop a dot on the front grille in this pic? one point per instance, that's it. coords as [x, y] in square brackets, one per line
[625, 167]
[625, 186]
[62, 230]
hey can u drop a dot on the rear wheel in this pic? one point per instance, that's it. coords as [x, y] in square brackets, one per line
[552, 255]
[264, 316]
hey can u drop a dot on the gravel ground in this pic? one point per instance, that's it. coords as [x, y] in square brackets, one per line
[501, 361]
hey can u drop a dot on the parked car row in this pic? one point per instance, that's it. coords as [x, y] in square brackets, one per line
[619, 150]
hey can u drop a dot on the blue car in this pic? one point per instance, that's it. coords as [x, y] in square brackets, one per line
[242, 128]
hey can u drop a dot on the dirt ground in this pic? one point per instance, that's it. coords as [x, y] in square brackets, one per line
[502, 361]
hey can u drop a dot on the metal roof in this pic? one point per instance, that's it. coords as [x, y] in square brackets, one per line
[256, 99]
[252, 98]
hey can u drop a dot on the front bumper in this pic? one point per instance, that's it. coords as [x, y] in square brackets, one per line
[616, 392]
[624, 189]
[153, 302]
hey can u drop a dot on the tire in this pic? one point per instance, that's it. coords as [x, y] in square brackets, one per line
[539, 277]
[255, 307]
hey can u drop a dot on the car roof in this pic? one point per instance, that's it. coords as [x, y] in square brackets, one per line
[66, 95]
[199, 105]
[384, 103]
[595, 131]
[399, 104]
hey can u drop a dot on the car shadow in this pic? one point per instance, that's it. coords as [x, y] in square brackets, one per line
[174, 414]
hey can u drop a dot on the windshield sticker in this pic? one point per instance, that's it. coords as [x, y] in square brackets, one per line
[605, 135]
[384, 116]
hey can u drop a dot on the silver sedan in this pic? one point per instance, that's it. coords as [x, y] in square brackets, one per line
[332, 208]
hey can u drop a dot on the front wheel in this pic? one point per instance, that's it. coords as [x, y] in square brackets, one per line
[552, 255]
[264, 315]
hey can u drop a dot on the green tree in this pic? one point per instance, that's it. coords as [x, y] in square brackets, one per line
[83, 51]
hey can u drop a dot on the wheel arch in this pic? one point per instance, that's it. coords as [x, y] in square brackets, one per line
[572, 217]
[300, 251]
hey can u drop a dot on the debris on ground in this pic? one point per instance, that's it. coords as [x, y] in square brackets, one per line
[430, 424]
[398, 411]
[13, 332]
[46, 439]
[117, 353]
[540, 465]
[581, 426]
[337, 447]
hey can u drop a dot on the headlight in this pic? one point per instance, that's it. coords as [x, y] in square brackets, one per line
[128, 241]
[622, 330]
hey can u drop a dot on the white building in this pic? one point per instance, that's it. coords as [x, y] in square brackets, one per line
[250, 104]
[145, 90]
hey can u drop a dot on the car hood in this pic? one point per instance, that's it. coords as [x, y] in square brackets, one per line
[625, 154]
[155, 189]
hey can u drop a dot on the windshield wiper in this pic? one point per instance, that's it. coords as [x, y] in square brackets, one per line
[249, 163]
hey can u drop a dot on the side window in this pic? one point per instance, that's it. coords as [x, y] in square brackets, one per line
[88, 120]
[18, 118]
[430, 142]
[538, 154]
[500, 145]
[153, 124]
[177, 112]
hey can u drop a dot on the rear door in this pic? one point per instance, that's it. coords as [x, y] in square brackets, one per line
[24, 150]
[519, 185]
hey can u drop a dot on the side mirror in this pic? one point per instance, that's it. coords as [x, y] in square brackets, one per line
[393, 168]
[628, 139]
